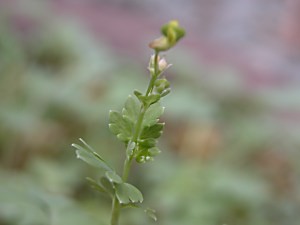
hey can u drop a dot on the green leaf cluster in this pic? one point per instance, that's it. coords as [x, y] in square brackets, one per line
[111, 183]
[124, 126]
[151, 130]
[90, 156]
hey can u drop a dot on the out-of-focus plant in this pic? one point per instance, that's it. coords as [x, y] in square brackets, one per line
[138, 127]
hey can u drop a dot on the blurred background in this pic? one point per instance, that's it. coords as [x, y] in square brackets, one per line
[231, 143]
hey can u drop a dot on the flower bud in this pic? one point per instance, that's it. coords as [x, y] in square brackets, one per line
[172, 32]
[161, 85]
[160, 44]
[162, 64]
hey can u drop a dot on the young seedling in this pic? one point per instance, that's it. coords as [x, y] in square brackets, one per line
[138, 127]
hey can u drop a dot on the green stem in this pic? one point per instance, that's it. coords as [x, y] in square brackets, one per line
[127, 164]
[154, 77]
[126, 170]
[143, 110]
[115, 204]
[115, 211]
[139, 124]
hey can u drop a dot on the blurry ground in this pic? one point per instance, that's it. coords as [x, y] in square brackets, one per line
[231, 144]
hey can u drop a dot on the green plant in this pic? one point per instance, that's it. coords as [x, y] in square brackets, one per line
[138, 127]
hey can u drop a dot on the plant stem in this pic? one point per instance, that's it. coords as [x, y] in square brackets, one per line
[154, 77]
[127, 164]
[115, 204]
[126, 170]
[115, 211]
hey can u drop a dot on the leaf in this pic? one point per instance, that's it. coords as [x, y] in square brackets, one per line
[131, 205]
[122, 194]
[151, 213]
[95, 185]
[165, 92]
[142, 158]
[123, 138]
[152, 114]
[90, 157]
[120, 125]
[107, 185]
[131, 109]
[137, 93]
[149, 100]
[153, 151]
[147, 143]
[114, 128]
[127, 193]
[113, 177]
[153, 131]
[146, 154]
[87, 145]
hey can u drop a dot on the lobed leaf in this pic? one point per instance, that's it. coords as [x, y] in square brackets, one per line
[147, 143]
[143, 159]
[127, 193]
[143, 156]
[146, 154]
[123, 138]
[95, 185]
[113, 177]
[88, 147]
[165, 92]
[153, 151]
[149, 100]
[153, 131]
[114, 128]
[131, 109]
[137, 93]
[91, 158]
[151, 213]
[120, 125]
[109, 187]
[152, 114]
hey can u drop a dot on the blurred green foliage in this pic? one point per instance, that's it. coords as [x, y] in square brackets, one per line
[224, 161]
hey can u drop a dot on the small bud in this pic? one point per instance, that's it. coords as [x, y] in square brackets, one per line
[165, 92]
[162, 64]
[172, 33]
[160, 44]
[161, 85]
[140, 159]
